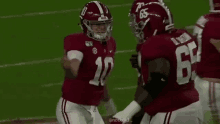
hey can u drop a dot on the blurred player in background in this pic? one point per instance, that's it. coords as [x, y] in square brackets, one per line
[88, 60]
[137, 4]
[167, 62]
[207, 32]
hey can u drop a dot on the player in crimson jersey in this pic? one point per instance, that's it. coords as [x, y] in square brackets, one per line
[207, 31]
[137, 4]
[167, 62]
[88, 60]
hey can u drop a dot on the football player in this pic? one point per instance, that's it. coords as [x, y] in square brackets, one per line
[167, 62]
[137, 4]
[207, 32]
[88, 60]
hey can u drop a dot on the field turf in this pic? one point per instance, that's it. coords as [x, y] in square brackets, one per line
[32, 34]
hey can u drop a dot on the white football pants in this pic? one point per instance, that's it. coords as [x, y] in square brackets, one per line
[71, 113]
[190, 114]
[209, 95]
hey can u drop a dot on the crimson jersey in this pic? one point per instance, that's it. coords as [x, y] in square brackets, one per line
[207, 28]
[97, 63]
[179, 48]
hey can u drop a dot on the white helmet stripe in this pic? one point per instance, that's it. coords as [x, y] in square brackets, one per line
[211, 4]
[166, 9]
[100, 7]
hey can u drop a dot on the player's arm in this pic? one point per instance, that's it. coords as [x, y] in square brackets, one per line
[73, 55]
[157, 79]
[108, 102]
[74, 59]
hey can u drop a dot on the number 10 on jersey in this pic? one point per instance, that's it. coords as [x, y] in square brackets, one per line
[101, 74]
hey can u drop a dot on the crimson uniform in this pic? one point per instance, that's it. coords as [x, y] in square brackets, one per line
[95, 50]
[179, 48]
[208, 57]
[170, 95]
[137, 4]
[97, 62]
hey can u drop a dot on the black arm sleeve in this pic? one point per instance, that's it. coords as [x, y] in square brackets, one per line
[156, 84]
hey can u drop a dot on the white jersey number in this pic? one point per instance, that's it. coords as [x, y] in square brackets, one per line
[182, 65]
[98, 78]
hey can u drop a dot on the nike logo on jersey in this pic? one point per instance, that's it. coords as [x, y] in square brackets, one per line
[110, 51]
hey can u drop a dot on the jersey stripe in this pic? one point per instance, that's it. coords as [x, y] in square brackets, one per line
[169, 118]
[63, 102]
[99, 7]
[165, 118]
[65, 116]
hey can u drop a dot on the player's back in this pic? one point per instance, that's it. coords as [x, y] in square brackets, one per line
[207, 29]
[179, 48]
[97, 63]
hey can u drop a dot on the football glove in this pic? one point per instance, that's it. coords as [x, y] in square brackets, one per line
[125, 115]
[134, 62]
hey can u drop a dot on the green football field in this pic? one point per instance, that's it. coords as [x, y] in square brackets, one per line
[32, 34]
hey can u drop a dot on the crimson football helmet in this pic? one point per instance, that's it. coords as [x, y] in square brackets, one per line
[152, 19]
[136, 5]
[96, 13]
[214, 5]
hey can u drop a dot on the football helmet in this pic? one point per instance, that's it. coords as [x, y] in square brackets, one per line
[152, 19]
[214, 5]
[96, 13]
[136, 5]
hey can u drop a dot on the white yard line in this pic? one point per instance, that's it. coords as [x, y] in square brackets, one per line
[55, 12]
[117, 88]
[58, 59]
[46, 117]
[47, 60]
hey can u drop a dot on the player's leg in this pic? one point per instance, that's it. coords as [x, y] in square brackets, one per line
[161, 118]
[71, 113]
[97, 118]
[146, 119]
[190, 114]
[210, 99]
[214, 101]
[136, 119]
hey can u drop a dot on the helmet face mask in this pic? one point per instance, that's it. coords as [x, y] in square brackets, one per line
[152, 19]
[96, 21]
[137, 28]
[99, 31]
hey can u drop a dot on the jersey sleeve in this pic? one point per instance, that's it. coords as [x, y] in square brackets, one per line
[73, 47]
[72, 42]
[211, 29]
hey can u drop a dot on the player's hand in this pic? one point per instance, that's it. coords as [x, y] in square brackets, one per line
[65, 63]
[119, 118]
[134, 60]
